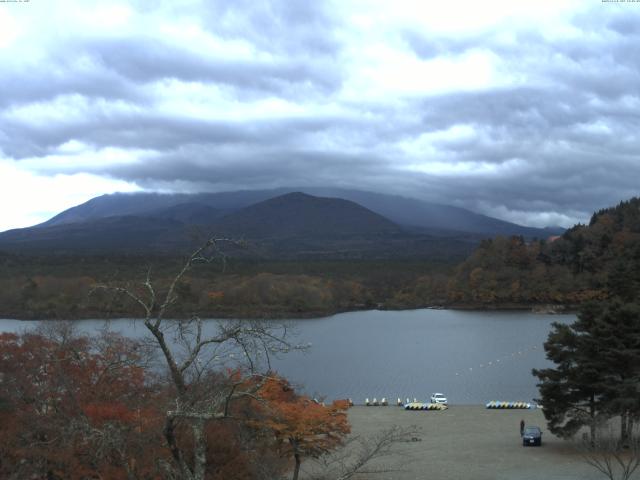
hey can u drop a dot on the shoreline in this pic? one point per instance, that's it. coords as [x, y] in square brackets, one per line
[542, 309]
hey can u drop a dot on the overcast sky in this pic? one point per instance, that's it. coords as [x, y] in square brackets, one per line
[523, 110]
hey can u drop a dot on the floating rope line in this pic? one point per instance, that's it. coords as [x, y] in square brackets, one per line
[360, 387]
[497, 361]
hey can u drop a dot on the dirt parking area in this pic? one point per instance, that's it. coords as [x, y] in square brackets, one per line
[472, 443]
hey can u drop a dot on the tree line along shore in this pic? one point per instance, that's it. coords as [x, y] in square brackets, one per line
[504, 272]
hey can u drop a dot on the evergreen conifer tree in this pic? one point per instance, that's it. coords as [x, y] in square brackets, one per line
[597, 372]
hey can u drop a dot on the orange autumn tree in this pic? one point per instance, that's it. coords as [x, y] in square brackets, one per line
[73, 407]
[302, 427]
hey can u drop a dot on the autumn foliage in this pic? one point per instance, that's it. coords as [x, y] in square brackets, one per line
[74, 407]
[302, 427]
[71, 407]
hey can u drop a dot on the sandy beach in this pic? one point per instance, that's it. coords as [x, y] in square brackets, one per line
[472, 443]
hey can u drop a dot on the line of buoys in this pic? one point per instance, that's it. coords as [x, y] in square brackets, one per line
[425, 406]
[496, 362]
[494, 404]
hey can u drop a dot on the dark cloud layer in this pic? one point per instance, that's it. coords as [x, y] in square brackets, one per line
[555, 140]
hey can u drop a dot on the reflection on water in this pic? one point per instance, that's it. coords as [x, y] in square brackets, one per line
[472, 357]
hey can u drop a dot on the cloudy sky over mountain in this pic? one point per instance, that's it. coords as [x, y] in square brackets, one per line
[523, 110]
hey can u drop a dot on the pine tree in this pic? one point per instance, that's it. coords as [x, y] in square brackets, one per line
[597, 373]
[616, 329]
[572, 392]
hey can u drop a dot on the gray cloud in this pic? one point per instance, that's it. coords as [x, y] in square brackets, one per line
[241, 167]
[144, 60]
[306, 29]
[557, 142]
[44, 82]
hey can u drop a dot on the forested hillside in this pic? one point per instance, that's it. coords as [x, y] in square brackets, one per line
[570, 269]
[501, 273]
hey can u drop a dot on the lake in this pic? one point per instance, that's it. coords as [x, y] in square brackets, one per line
[470, 356]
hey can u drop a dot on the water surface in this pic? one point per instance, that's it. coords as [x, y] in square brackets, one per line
[470, 356]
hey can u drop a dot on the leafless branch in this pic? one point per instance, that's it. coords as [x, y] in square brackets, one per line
[363, 455]
[609, 456]
[202, 395]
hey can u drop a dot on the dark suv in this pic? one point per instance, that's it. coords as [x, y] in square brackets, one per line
[532, 436]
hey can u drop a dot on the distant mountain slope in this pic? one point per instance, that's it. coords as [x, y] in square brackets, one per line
[191, 213]
[111, 234]
[400, 210]
[120, 204]
[299, 214]
[293, 225]
[115, 205]
[433, 216]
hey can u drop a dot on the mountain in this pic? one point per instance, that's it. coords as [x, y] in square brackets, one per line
[292, 225]
[113, 234]
[319, 222]
[191, 213]
[159, 205]
[422, 216]
[433, 216]
[299, 214]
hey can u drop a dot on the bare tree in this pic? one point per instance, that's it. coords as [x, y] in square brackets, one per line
[192, 352]
[608, 454]
[363, 455]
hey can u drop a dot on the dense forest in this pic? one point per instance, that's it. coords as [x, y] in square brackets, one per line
[61, 287]
[503, 272]
[567, 270]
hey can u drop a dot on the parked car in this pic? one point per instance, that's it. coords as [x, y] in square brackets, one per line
[532, 436]
[438, 398]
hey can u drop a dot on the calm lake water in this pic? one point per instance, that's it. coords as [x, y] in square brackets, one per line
[472, 357]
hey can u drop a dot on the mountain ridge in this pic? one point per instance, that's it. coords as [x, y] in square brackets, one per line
[293, 225]
[400, 210]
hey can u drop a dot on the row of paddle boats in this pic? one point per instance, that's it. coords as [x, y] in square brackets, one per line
[494, 404]
[408, 404]
[416, 405]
